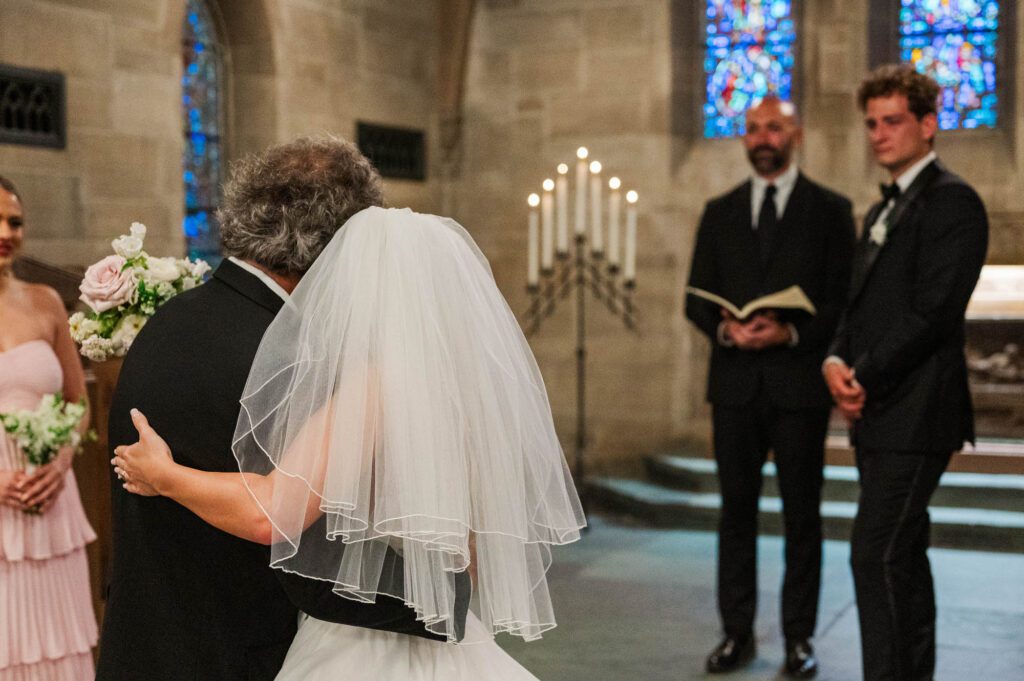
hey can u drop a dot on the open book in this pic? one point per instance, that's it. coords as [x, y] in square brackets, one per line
[792, 298]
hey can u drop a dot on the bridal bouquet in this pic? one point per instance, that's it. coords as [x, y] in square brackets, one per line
[42, 432]
[124, 290]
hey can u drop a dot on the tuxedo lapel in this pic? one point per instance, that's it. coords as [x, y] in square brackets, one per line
[864, 256]
[868, 250]
[248, 285]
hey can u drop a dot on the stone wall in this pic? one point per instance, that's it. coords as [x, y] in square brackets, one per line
[622, 77]
[295, 67]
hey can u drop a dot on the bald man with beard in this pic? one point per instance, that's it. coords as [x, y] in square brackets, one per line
[776, 230]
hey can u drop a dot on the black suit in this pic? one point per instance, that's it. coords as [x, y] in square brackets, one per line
[188, 601]
[775, 398]
[903, 333]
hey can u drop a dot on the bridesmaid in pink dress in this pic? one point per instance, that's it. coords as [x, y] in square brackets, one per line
[47, 625]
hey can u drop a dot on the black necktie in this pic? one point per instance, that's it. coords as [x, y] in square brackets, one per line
[767, 221]
[889, 191]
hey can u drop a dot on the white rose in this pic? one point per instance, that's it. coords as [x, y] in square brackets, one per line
[127, 247]
[138, 230]
[162, 269]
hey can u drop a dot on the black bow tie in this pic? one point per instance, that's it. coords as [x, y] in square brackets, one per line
[889, 191]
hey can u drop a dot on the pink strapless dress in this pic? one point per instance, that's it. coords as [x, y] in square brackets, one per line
[47, 624]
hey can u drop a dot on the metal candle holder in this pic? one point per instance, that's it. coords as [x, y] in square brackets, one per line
[581, 271]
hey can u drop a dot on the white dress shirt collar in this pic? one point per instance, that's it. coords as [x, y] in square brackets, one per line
[262, 276]
[910, 174]
[784, 184]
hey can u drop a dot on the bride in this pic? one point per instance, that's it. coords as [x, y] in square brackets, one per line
[394, 402]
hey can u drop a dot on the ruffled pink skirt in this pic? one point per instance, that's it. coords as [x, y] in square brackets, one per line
[47, 624]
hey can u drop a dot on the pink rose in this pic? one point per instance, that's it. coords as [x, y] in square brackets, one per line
[105, 286]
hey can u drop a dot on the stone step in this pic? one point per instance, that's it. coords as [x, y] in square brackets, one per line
[994, 491]
[961, 528]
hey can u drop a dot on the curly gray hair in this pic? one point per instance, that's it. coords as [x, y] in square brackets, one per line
[282, 206]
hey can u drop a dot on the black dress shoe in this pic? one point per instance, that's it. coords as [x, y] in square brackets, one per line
[800, 660]
[732, 653]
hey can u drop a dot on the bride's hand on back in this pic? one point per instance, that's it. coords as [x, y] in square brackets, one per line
[140, 466]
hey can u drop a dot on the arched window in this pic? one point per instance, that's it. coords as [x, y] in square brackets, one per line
[203, 115]
[748, 54]
[955, 42]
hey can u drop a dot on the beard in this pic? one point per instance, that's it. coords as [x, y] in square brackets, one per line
[767, 159]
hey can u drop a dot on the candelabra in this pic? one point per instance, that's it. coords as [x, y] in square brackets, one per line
[554, 272]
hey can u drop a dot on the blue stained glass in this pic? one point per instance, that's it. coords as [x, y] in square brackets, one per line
[748, 54]
[955, 42]
[201, 113]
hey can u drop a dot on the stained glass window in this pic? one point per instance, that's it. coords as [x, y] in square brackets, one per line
[201, 85]
[954, 41]
[748, 54]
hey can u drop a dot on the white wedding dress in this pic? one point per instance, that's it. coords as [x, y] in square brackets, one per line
[398, 401]
[324, 651]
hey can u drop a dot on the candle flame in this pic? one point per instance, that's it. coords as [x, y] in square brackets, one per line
[533, 200]
[582, 153]
[632, 196]
[615, 183]
[562, 169]
[595, 167]
[549, 184]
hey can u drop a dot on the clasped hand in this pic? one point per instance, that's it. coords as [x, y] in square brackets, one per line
[35, 492]
[140, 466]
[848, 394]
[762, 330]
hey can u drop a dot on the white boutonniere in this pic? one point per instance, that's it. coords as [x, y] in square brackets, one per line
[879, 232]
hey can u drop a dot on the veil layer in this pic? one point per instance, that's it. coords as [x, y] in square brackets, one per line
[398, 406]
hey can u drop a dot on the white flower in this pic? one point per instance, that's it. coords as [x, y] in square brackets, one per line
[126, 330]
[75, 325]
[161, 269]
[100, 349]
[42, 432]
[879, 232]
[199, 269]
[165, 290]
[138, 230]
[127, 247]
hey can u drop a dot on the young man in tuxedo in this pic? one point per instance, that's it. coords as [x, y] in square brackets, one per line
[186, 601]
[897, 370]
[776, 230]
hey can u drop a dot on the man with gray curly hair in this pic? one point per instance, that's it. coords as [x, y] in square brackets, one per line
[188, 600]
[283, 206]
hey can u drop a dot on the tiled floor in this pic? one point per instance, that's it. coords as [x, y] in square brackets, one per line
[637, 604]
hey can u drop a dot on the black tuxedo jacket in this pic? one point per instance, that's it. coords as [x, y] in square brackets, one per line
[812, 248]
[185, 600]
[903, 331]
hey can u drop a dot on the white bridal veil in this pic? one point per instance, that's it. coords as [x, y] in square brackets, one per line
[401, 406]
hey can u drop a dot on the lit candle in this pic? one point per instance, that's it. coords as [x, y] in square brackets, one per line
[533, 258]
[547, 227]
[614, 208]
[596, 233]
[629, 269]
[581, 191]
[562, 209]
